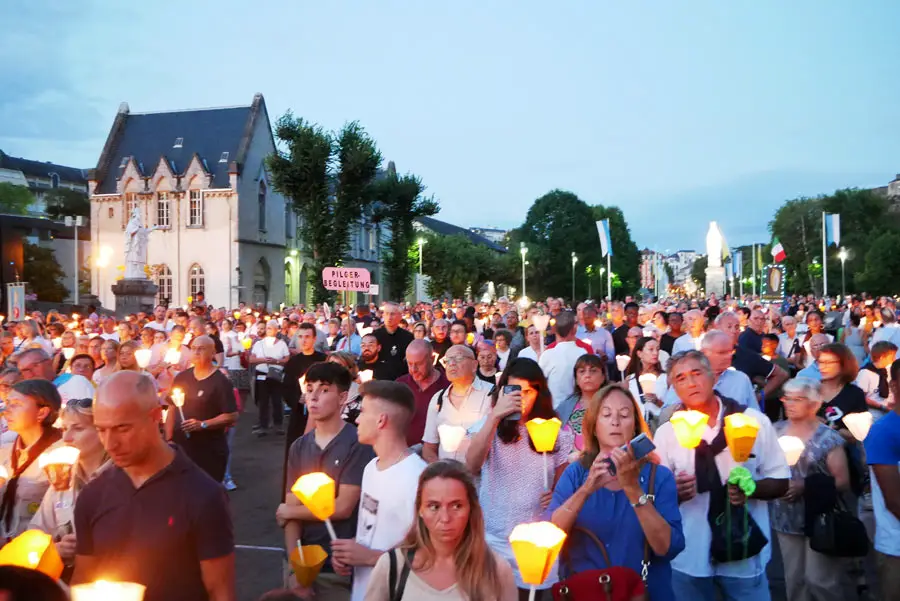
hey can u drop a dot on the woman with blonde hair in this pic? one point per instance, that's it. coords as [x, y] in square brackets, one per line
[625, 517]
[445, 555]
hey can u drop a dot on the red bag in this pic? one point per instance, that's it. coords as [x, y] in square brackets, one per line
[613, 583]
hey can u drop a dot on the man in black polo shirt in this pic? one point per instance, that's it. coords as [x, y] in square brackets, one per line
[154, 517]
[369, 359]
[393, 340]
[331, 447]
[761, 372]
[209, 409]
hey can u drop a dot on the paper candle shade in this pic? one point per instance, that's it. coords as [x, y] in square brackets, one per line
[536, 547]
[543, 433]
[35, 550]
[541, 322]
[451, 437]
[622, 362]
[178, 397]
[316, 491]
[740, 434]
[57, 343]
[68, 353]
[173, 356]
[365, 375]
[648, 383]
[793, 449]
[108, 591]
[4, 475]
[470, 338]
[307, 567]
[858, 424]
[57, 464]
[689, 427]
[247, 343]
[142, 356]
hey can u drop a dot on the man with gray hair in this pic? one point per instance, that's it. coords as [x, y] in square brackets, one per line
[762, 373]
[35, 364]
[161, 498]
[558, 363]
[700, 477]
[690, 340]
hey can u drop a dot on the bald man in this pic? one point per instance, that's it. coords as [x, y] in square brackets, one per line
[209, 409]
[153, 517]
[425, 381]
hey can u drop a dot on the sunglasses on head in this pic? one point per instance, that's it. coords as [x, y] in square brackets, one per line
[80, 403]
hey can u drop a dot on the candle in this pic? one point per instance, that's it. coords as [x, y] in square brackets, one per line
[543, 433]
[536, 547]
[858, 424]
[793, 449]
[57, 343]
[103, 590]
[451, 437]
[34, 550]
[178, 401]
[316, 491]
[173, 356]
[622, 362]
[307, 561]
[648, 383]
[4, 475]
[740, 434]
[68, 352]
[57, 464]
[247, 343]
[689, 427]
[365, 375]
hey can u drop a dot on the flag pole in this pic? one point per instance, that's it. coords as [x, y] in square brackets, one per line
[754, 269]
[824, 260]
[608, 276]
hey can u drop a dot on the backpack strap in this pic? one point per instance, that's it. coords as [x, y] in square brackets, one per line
[651, 491]
[396, 587]
[440, 401]
[392, 575]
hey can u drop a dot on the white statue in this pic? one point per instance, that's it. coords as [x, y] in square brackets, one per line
[136, 239]
[714, 245]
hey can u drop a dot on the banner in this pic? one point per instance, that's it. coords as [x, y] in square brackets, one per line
[773, 287]
[833, 229]
[350, 279]
[737, 263]
[605, 239]
[15, 301]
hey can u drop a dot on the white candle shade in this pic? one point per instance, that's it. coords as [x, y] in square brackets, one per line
[68, 352]
[365, 375]
[648, 383]
[541, 322]
[451, 437]
[178, 397]
[793, 449]
[59, 455]
[622, 362]
[142, 356]
[858, 424]
[57, 343]
[173, 356]
[108, 591]
[4, 473]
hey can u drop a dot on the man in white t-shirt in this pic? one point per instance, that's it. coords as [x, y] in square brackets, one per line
[460, 405]
[390, 481]
[159, 320]
[558, 363]
[694, 574]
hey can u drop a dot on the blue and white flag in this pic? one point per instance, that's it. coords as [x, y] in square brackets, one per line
[737, 263]
[833, 229]
[729, 271]
[605, 239]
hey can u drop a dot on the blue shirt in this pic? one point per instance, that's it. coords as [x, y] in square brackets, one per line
[601, 341]
[812, 372]
[883, 448]
[610, 516]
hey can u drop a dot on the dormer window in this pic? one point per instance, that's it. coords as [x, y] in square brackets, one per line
[224, 158]
[124, 162]
[179, 142]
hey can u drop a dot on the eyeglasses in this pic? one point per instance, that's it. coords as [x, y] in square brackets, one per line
[80, 403]
[455, 360]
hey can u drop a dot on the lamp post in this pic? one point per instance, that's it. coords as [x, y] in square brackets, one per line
[589, 270]
[843, 255]
[524, 251]
[102, 262]
[76, 223]
[574, 260]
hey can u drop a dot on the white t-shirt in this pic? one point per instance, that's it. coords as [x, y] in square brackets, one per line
[767, 461]
[503, 357]
[113, 336]
[160, 327]
[558, 364]
[476, 405]
[231, 343]
[273, 348]
[387, 509]
[528, 353]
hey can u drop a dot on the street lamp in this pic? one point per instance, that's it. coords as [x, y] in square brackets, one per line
[75, 222]
[102, 262]
[421, 244]
[524, 251]
[589, 270]
[843, 255]
[574, 260]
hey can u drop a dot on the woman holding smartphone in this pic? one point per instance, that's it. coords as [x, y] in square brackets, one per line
[512, 487]
[616, 507]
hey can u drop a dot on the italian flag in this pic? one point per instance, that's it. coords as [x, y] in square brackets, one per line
[778, 253]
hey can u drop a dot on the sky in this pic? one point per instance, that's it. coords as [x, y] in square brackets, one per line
[677, 112]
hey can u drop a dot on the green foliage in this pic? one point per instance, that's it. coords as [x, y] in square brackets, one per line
[626, 259]
[698, 271]
[63, 202]
[882, 265]
[43, 273]
[15, 200]
[455, 264]
[400, 201]
[670, 273]
[329, 179]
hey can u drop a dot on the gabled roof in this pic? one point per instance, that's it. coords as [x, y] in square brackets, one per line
[149, 137]
[448, 229]
[39, 169]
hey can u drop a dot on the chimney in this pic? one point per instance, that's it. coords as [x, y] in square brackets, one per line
[123, 108]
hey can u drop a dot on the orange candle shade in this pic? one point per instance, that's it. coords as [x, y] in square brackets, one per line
[543, 433]
[316, 491]
[247, 343]
[740, 434]
[536, 547]
[35, 550]
[103, 590]
[307, 566]
[689, 427]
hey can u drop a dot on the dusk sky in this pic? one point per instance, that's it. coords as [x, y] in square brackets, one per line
[678, 112]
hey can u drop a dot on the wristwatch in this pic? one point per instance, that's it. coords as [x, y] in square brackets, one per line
[203, 426]
[643, 500]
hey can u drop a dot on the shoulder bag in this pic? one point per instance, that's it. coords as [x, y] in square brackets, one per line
[396, 586]
[613, 583]
[831, 529]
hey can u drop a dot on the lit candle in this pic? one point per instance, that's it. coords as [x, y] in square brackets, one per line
[57, 343]
[57, 464]
[142, 356]
[622, 362]
[68, 352]
[103, 590]
[536, 547]
[740, 434]
[451, 437]
[689, 427]
[173, 356]
[316, 491]
[178, 401]
[793, 449]
[34, 550]
[365, 375]
[543, 433]
[247, 343]
[858, 424]
[4, 475]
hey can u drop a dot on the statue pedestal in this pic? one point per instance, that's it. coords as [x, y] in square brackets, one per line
[715, 281]
[134, 296]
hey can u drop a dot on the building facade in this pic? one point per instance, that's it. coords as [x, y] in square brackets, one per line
[681, 263]
[41, 177]
[494, 234]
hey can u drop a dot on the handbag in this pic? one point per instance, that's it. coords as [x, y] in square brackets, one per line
[613, 583]
[275, 374]
[736, 535]
[838, 533]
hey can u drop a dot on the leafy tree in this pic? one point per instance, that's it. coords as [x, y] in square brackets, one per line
[15, 200]
[626, 259]
[63, 202]
[400, 201]
[455, 265]
[329, 179]
[670, 273]
[698, 270]
[882, 265]
[43, 273]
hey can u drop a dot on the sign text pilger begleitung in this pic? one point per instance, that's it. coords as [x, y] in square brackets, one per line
[354, 279]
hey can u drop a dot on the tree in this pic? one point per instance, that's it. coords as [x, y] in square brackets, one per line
[698, 271]
[670, 273]
[626, 259]
[400, 201]
[882, 265]
[43, 273]
[455, 265]
[15, 200]
[63, 202]
[329, 179]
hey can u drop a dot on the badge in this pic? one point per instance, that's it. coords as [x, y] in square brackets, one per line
[200, 393]
[394, 351]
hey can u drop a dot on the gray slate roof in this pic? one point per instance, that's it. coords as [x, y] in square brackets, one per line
[149, 136]
[448, 229]
[40, 169]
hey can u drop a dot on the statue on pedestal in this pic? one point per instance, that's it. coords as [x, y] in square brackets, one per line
[137, 237]
[714, 245]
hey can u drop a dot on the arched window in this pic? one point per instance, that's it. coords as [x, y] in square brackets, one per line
[262, 205]
[196, 280]
[164, 281]
[54, 180]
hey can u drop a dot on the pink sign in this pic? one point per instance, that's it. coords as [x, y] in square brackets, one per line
[352, 279]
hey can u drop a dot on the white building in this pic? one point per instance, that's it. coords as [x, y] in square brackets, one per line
[681, 263]
[494, 234]
[41, 177]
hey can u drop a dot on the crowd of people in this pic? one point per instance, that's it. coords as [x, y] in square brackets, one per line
[418, 413]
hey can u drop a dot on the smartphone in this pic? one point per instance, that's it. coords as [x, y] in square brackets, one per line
[509, 389]
[641, 446]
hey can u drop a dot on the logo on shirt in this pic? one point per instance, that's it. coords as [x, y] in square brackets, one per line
[394, 351]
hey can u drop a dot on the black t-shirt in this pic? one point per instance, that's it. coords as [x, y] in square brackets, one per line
[667, 342]
[295, 369]
[380, 370]
[620, 340]
[751, 340]
[393, 351]
[344, 459]
[752, 364]
[158, 534]
[203, 400]
[851, 399]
